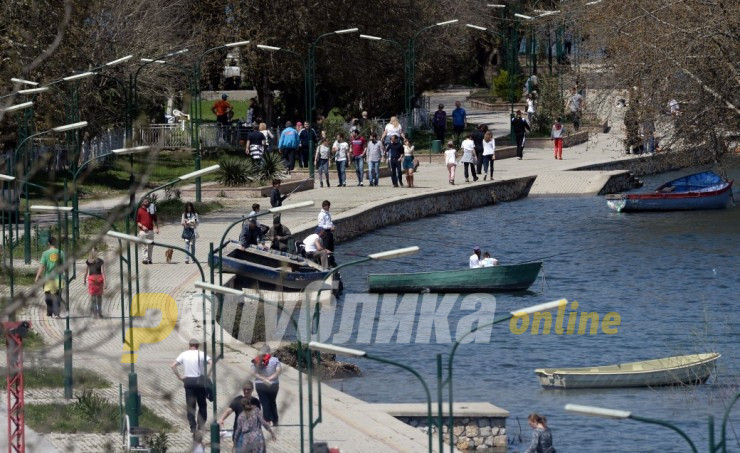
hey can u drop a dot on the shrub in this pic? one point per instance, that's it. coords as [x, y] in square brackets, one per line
[272, 168]
[549, 104]
[508, 88]
[235, 172]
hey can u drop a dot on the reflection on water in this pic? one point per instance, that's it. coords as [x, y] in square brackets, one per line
[672, 277]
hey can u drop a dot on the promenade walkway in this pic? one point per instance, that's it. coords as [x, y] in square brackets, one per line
[347, 422]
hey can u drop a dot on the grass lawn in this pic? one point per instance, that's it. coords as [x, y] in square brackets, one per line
[89, 414]
[45, 377]
[240, 109]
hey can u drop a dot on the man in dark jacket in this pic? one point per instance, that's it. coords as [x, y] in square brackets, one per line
[440, 123]
[395, 152]
[520, 126]
[477, 136]
[307, 134]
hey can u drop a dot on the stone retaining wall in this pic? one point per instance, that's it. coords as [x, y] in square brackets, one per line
[469, 433]
[352, 223]
[652, 164]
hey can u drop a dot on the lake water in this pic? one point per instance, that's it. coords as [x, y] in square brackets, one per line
[672, 277]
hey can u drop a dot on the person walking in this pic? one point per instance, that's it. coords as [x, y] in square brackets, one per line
[556, 135]
[393, 128]
[439, 121]
[267, 369]
[322, 159]
[468, 158]
[395, 151]
[357, 142]
[530, 108]
[306, 136]
[450, 156]
[256, 146]
[341, 155]
[94, 279]
[489, 154]
[248, 437]
[374, 152]
[459, 120]
[268, 136]
[189, 222]
[288, 145]
[520, 127]
[235, 407]
[50, 266]
[541, 435]
[146, 221]
[195, 382]
[408, 162]
[575, 105]
[478, 135]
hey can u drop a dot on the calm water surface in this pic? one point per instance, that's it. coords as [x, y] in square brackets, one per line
[672, 277]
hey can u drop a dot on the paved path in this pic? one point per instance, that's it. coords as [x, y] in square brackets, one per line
[347, 422]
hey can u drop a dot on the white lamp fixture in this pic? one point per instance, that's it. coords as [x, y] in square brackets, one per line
[128, 237]
[7, 178]
[597, 411]
[548, 13]
[33, 90]
[391, 254]
[45, 208]
[593, 3]
[476, 27]
[494, 5]
[338, 350]
[219, 289]
[133, 150]
[81, 75]
[177, 53]
[447, 22]
[237, 44]
[287, 207]
[70, 127]
[120, 60]
[371, 38]
[23, 81]
[15, 107]
[348, 30]
[541, 307]
[149, 60]
[199, 173]
[269, 48]
[523, 16]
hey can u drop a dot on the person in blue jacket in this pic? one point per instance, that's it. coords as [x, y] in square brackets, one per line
[288, 145]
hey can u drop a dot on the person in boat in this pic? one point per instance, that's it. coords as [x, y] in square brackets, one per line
[314, 245]
[475, 260]
[541, 435]
[263, 229]
[250, 234]
[487, 261]
[280, 235]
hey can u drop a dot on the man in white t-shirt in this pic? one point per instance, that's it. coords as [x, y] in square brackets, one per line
[314, 247]
[475, 258]
[194, 380]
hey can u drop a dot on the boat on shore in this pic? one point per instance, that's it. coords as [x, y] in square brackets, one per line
[683, 369]
[705, 190]
[263, 265]
[515, 277]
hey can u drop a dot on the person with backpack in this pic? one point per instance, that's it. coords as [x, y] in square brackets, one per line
[439, 121]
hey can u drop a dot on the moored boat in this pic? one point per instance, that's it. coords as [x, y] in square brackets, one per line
[705, 190]
[515, 277]
[279, 269]
[684, 369]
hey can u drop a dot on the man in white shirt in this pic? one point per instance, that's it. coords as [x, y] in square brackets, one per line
[194, 380]
[475, 258]
[325, 223]
[315, 247]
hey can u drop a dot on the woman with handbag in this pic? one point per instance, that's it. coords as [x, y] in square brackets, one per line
[189, 224]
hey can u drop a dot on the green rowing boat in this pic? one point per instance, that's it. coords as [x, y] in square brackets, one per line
[516, 277]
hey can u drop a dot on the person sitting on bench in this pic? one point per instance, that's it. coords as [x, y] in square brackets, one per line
[314, 246]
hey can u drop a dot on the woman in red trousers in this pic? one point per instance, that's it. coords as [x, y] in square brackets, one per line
[557, 134]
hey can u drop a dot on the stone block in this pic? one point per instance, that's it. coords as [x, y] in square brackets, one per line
[482, 447]
[458, 430]
[478, 441]
[495, 431]
[483, 422]
[471, 431]
[463, 444]
[489, 441]
[499, 441]
[485, 431]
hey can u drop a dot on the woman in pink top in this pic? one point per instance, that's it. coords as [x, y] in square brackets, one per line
[557, 133]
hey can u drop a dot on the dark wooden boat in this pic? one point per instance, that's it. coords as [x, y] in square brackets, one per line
[705, 190]
[263, 265]
[515, 277]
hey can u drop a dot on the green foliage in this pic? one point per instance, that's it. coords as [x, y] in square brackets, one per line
[549, 104]
[506, 87]
[235, 172]
[157, 443]
[45, 377]
[272, 168]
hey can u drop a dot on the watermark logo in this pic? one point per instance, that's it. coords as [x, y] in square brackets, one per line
[585, 321]
[136, 336]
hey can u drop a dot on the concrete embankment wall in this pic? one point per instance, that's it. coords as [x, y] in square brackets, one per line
[651, 164]
[372, 216]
